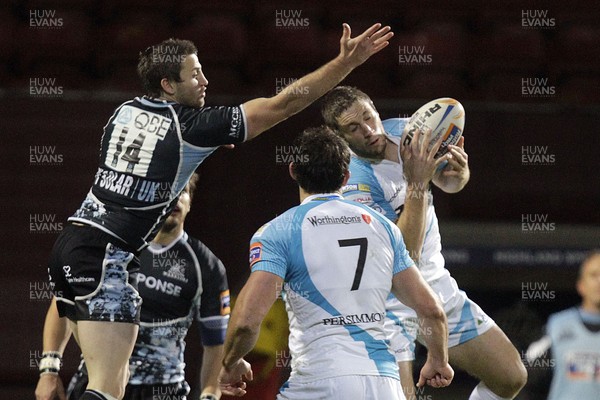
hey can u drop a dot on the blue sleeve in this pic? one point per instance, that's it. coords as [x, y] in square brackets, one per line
[268, 247]
[363, 188]
[395, 126]
[402, 258]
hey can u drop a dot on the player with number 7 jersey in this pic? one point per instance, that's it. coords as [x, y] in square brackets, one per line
[334, 261]
[336, 279]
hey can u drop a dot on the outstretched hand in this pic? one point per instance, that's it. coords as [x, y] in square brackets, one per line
[357, 50]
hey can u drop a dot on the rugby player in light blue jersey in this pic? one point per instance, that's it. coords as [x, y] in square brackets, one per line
[335, 262]
[571, 346]
[395, 180]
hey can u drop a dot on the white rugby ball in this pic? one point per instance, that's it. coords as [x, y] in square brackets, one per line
[444, 116]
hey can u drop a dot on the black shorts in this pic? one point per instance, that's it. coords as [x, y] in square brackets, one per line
[93, 277]
[172, 391]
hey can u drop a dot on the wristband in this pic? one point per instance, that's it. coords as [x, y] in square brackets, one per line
[50, 363]
[208, 396]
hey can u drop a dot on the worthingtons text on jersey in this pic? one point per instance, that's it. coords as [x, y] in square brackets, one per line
[329, 220]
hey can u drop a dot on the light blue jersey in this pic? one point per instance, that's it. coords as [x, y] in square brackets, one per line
[576, 351]
[382, 187]
[337, 259]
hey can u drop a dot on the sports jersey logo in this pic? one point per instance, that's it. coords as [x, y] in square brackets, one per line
[361, 199]
[124, 115]
[176, 271]
[330, 220]
[255, 253]
[582, 365]
[366, 218]
[159, 285]
[352, 319]
[356, 187]
[236, 120]
[225, 302]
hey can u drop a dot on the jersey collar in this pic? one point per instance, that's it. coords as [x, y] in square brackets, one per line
[323, 197]
[153, 102]
[156, 248]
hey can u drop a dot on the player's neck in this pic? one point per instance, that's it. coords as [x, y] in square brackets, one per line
[590, 307]
[304, 195]
[391, 152]
[167, 97]
[165, 237]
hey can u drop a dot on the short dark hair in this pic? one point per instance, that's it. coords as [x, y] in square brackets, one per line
[338, 100]
[323, 159]
[163, 60]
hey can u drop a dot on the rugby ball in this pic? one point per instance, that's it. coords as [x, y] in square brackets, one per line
[444, 116]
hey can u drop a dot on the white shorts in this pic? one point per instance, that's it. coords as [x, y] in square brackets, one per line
[355, 387]
[466, 320]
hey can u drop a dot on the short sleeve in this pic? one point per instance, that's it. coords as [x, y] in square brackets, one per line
[268, 249]
[402, 258]
[212, 126]
[213, 308]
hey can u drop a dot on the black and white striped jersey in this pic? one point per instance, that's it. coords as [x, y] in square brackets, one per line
[149, 150]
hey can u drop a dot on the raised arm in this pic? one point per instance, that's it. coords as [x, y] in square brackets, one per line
[55, 339]
[412, 290]
[264, 113]
[419, 168]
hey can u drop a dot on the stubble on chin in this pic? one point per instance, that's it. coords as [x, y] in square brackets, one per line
[169, 225]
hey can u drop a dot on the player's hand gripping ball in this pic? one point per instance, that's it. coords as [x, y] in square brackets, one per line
[444, 116]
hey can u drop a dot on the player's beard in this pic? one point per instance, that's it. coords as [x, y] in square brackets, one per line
[193, 100]
[169, 225]
[372, 152]
[190, 97]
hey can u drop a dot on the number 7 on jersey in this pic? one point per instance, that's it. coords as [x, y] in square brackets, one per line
[362, 257]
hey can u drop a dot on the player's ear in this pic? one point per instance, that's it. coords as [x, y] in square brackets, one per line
[580, 287]
[167, 87]
[291, 170]
[346, 177]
